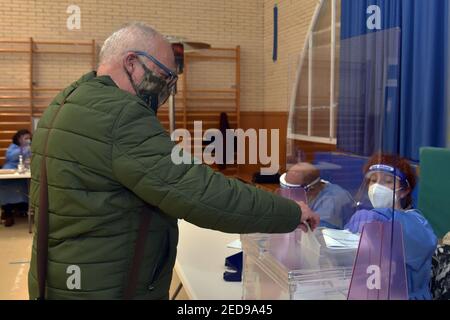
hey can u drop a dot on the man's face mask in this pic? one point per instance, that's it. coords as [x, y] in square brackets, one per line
[153, 89]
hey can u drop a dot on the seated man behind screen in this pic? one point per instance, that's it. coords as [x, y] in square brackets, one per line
[334, 204]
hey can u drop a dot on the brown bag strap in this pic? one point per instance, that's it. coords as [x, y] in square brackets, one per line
[42, 227]
[139, 249]
[42, 236]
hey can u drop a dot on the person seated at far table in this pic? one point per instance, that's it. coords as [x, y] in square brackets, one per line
[14, 192]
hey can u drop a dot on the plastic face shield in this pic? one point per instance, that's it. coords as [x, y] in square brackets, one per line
[291, 191]
[381, 174]
[387, 176]
[296, 194]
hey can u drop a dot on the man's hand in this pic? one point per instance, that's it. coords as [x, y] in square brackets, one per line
[308, 216]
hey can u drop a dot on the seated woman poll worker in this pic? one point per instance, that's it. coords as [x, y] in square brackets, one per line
[14, 192]
[386, 175]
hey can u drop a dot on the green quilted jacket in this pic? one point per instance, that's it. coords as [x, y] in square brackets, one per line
[108, 157]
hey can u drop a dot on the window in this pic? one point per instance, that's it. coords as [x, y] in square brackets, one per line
[313, 108]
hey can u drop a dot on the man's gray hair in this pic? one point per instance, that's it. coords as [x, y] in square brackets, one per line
[132, 36]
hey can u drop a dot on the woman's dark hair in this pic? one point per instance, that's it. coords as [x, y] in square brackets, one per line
[401, 164]
[20, 133]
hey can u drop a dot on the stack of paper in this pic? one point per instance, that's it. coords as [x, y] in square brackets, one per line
[236, 244]
[340, 239]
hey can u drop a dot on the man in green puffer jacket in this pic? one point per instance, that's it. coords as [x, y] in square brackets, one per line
[109, 168]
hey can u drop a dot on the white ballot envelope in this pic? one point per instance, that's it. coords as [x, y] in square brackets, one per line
[340, 239]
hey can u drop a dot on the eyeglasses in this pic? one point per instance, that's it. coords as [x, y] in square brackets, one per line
[171, 78]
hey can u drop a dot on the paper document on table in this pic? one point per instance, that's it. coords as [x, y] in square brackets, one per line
[236, 244]
[340, 239]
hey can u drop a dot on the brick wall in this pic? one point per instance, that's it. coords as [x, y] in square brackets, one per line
[265, 85]
[220, 23]
[294, 19]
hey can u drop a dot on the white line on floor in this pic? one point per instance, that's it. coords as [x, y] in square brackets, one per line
[18, 278]
[19, 262]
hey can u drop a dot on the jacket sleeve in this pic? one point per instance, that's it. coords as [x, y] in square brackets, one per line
[420, 240]
[141, 161]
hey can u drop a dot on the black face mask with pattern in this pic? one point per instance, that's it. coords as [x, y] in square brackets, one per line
[153, 90]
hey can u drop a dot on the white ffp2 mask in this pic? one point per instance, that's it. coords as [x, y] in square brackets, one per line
[381, 196]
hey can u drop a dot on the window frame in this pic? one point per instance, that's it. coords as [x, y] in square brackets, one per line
[333, 105]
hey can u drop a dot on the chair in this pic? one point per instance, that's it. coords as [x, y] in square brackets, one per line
[434, 198]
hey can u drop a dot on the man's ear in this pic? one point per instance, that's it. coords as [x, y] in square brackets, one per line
[129, 62]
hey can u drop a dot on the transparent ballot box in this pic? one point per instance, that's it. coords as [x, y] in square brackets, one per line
[283, 267]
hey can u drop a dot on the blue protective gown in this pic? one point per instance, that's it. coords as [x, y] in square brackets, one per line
[419, 240]
[12, 156]
[334, 205]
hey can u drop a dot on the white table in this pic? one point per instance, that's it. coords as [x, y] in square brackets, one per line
[201, 263]
[26, 175]
[16, 175]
